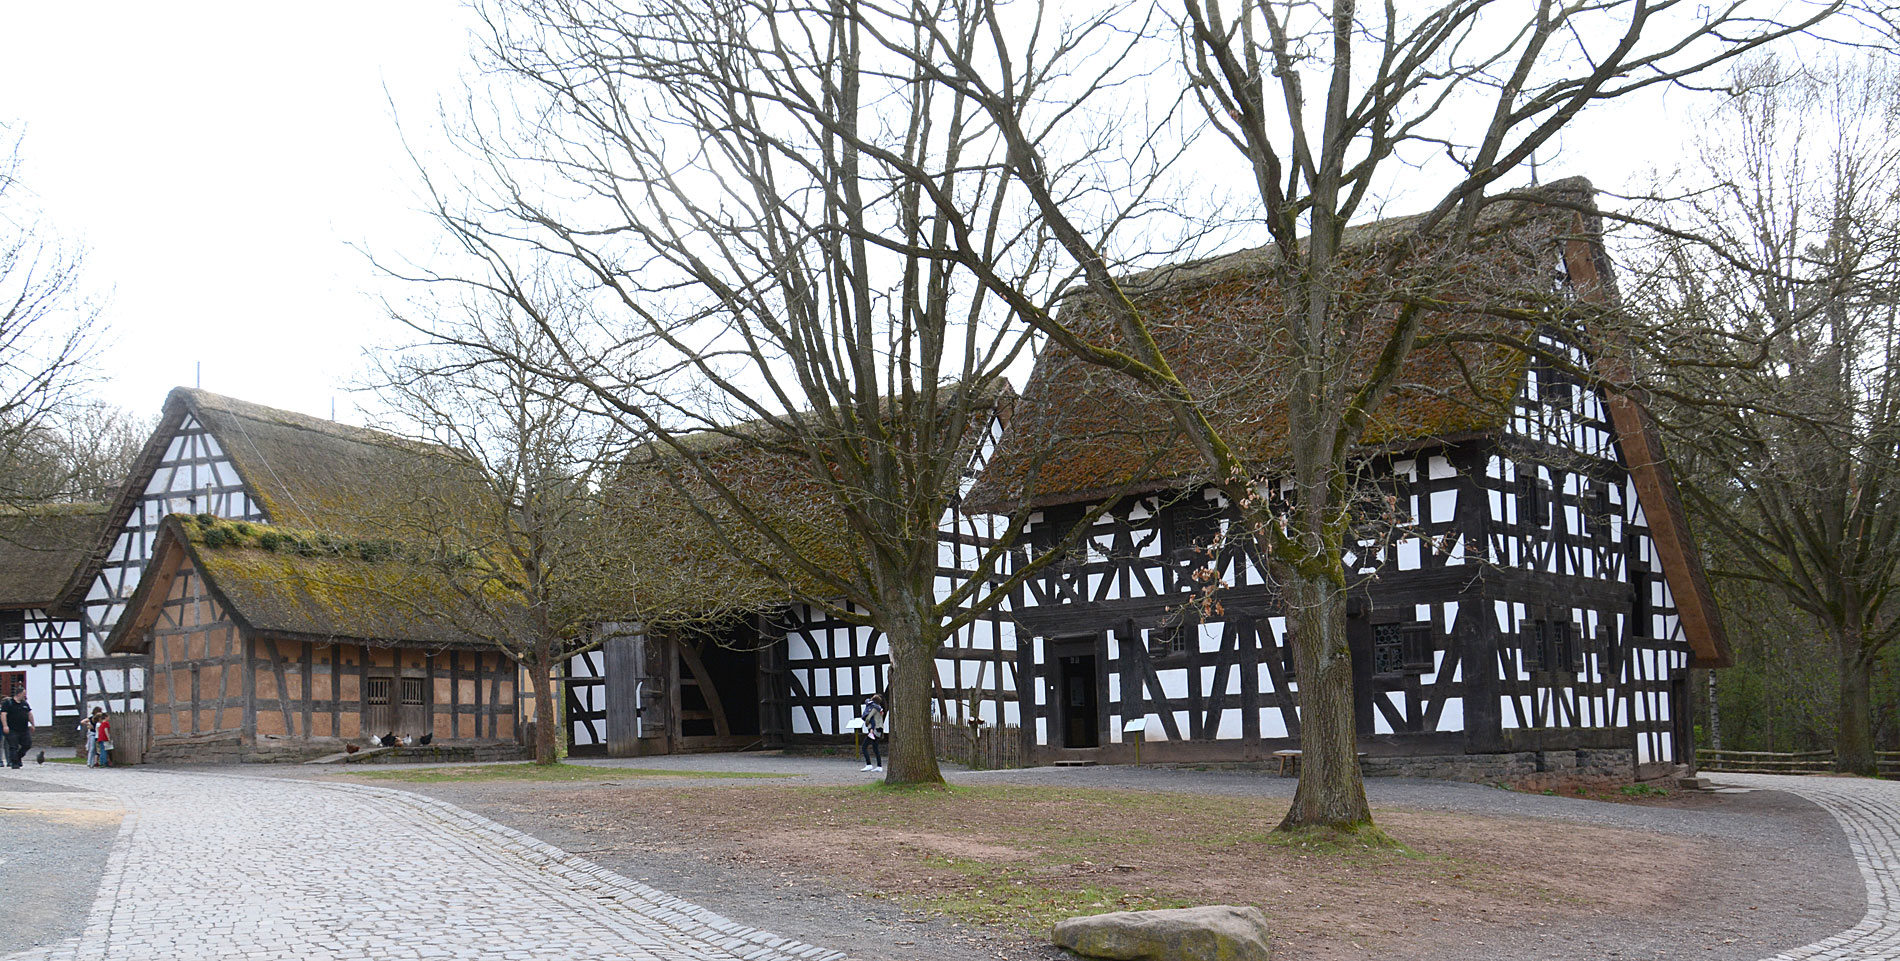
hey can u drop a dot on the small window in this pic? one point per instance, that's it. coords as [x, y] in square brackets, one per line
[1388, 648]
[412, 690]
[1170, 639]
[1536, 639]
[12, 625]
[1553, 645]
[1402, 648]
[378, 691]
[1553, 389]
[1533, 499]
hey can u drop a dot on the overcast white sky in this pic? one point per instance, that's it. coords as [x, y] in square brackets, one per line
[219, 159]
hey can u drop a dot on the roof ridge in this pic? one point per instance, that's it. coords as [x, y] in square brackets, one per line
[199, 399]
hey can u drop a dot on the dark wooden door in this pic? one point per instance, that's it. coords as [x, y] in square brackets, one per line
[1077, 701]
[1359, 641]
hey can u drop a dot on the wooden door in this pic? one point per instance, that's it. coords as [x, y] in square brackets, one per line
[1077, 722]
[412, 716]
[624, 660]
[379, 709]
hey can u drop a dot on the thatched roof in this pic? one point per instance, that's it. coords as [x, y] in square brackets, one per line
[1081, 433]
[40, 548]
[1084, 432]
[304, 471]
[682, 568]
[305, 585]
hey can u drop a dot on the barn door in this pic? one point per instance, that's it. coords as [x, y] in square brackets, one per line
[379, 710]
[413, 711]
[625, 667]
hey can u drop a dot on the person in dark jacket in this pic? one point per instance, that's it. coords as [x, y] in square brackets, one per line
[16, 723]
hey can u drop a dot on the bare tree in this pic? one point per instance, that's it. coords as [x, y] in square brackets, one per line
[1800, 456]
[49, 326]
[80, 452]
[771, 202]
[513, 525]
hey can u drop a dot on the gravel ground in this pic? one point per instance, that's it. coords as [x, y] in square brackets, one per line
[1790, 878]
[52, 860]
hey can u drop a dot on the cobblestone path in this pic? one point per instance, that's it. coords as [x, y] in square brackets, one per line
[1869, 813]
[209, 866]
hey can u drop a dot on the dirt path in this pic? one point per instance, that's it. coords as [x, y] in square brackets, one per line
[1494, 875]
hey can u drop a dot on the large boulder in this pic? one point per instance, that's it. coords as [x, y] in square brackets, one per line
[1219, 932]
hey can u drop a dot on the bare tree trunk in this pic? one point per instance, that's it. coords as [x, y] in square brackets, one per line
[546, 717]
[1854, 736]
[1331, 792]
[913, 755]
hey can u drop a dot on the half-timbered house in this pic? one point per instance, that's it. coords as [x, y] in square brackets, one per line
[41, 643]
[1527, 594]
[729, 658]
[271, 643]
[231, 459]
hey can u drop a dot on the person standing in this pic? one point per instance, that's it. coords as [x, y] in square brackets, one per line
[873, 715]
[86, 735]
[16, 722]
[92, 736]
[102, 738]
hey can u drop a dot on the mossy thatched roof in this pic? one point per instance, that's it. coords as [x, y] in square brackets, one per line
[684, 569]
[305, 472]
[40, 548]
[1082, 431]
[307, 585]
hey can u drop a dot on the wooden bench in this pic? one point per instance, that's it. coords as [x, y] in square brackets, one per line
[1290, 761]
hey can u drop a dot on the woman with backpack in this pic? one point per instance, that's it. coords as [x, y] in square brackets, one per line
[872, 714]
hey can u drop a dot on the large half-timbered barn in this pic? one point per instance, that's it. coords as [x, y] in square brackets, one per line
[218, 457]
[731, 658]
[1527, 598]
[269, 643]
[41, 644]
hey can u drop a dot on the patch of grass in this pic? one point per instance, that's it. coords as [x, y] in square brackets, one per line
[1642, 790]
[1017, 897]
[65, 760]
[544, 772]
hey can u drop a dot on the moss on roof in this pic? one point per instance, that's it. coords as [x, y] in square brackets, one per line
[1082, 432]
[684, 572]
[305, 472]
[317, 474]
[317, 585]
[41, 546]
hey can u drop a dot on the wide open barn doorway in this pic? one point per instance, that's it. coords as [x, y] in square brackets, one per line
[719, 688]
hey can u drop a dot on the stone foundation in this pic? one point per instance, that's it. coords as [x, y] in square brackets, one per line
[1514, 768]
[273, 751]
[1583, 764]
